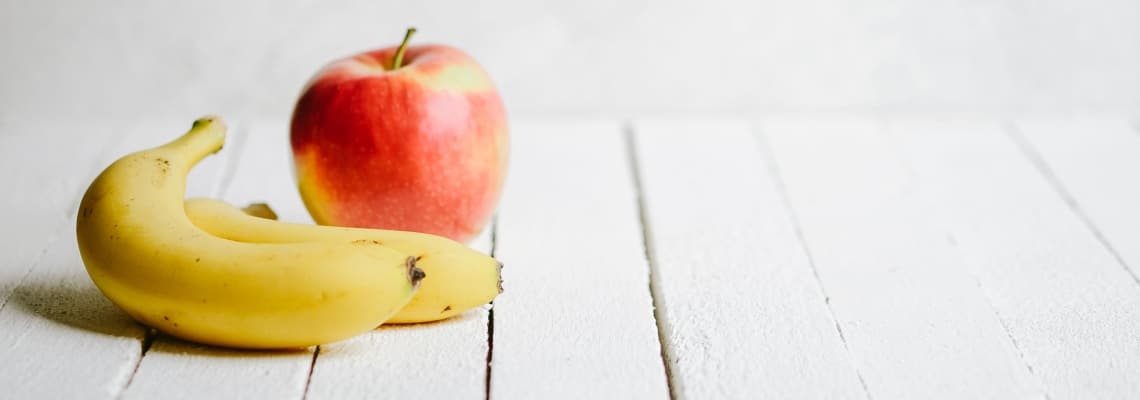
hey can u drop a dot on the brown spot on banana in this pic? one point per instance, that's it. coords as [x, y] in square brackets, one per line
[415, 275]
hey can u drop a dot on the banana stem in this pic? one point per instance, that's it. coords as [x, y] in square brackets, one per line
[206, 137]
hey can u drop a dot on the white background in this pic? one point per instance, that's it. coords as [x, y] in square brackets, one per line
[126, 59]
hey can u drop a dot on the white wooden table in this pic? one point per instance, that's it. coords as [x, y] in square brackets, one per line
[804, 257]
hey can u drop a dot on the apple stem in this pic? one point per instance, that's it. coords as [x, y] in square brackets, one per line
[399, 59]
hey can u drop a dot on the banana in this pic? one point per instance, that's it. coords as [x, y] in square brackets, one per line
[146, 256]
[458, 277]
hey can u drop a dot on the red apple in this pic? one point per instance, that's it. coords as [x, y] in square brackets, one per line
[406, 138]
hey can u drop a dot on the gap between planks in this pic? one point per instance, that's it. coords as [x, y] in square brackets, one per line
[894, 286]
[774, 174]
[1064, 193]
[1060, 292]
[491, 317]
[577, 319]
[309, 375]
[741, 314]
[647, 244]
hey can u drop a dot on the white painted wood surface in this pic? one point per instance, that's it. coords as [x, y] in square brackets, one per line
[61, 337]
[1094, 163]
[576, 318]
[55, 322]
[960, 259]
[898, 290]
[741, 314]
[1072, 309]
[44, 182]
[173, 369]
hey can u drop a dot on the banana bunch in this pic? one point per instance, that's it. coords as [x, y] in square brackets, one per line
[204, 271]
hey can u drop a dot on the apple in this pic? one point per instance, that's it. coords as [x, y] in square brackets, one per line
[410, 138]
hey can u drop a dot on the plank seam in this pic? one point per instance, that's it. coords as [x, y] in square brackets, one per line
[952, 243]
[147, 343]
[651, 261]
[491, 316]
[1012, 339]
[1058, 187]
[309, 378]
[774, 172]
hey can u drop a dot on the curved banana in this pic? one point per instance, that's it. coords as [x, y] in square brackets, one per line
[458, 277]
[146, 256]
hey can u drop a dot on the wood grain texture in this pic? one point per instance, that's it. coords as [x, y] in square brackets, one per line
[179, 370]
[897, 288]
[743, 316]
[439, 360]
[1096, 165]
[1073, 311]
[57, 327]
[576, 319]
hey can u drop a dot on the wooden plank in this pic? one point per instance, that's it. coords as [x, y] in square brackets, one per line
[179, 370]
[895, 285]
[441, 360]
[1095, 163]
[1073, 311]
[576, 319]
[174, 369]
[741, 314]
[47, 166]
[58, 327]
[57, 324]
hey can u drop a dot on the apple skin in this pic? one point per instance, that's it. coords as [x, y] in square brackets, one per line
[420, 148]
